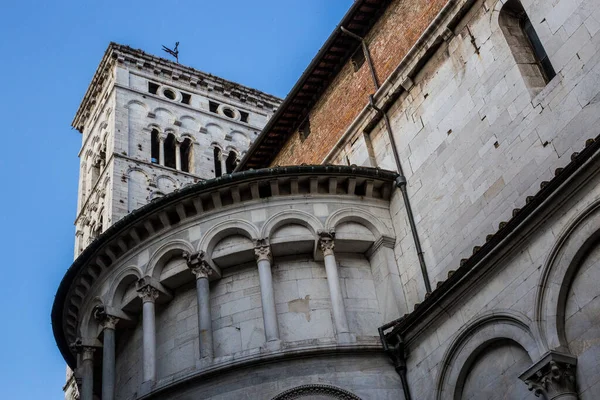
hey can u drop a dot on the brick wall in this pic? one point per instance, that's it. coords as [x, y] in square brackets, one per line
[389, 41]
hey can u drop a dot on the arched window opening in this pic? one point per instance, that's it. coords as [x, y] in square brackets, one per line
[170, 151]
[95, 170]
[186, 155]
[155, 147]
[218, 155]
[526, 47]
[231, 162]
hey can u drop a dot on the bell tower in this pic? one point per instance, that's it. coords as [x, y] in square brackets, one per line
[151, 126]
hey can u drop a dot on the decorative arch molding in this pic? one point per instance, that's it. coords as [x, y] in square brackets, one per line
[360, 216]
[138, 169]
[137, 103]
[227, 228]
[473, 339]
[563, 262]
[88, 328]
[305, 219]
[307, 391]
[115, 285]
[153, 268]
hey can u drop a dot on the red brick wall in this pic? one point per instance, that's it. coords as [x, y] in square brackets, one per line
[390, 39]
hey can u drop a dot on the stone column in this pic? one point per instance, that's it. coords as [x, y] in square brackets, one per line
[326, 243]
[177, 156]
[264, 259]
[108, 323]
[223, 163]
[553, 377]
[149, 294]
[197, 263]
[161, 150]
[87, 373]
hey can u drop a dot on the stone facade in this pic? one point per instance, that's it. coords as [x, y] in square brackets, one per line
[477, 258]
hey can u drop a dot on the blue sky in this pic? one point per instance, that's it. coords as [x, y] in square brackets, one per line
[48, 54]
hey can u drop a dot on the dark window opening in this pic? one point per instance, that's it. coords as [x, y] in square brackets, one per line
[170, 151]
[155, 147]
[169, 94]
[304, 129]
[525, 46]
[228, 112]
[213, 107]
[244, 116]
[218, 170]
[186, 153]
[186, 98]
[358, 58]
[538, 49]
[152, 87]
[231, 162]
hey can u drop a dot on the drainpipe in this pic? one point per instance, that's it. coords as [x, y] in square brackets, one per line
[396, 354]
[401, 180]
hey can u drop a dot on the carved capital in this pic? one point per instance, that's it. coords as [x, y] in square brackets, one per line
[553, 376]
[148, 293]
[262, 250]
[106, 321]
[198, 264]
[326, 242]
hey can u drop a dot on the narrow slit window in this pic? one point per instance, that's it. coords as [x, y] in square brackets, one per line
[304, 129]
[358, 58]
[525, 45]
[231, 162]
[154, 147]
[170, 151]
[186, 155]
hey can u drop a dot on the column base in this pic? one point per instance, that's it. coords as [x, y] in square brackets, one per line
[346, 338]
[271, 345]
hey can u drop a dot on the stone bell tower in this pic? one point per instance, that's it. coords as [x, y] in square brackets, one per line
[151, 126]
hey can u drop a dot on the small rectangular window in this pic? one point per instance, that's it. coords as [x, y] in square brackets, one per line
[213, 106]
[358, 58]
[244, 116]
[304, 129]
[152, 87]
[185, 98]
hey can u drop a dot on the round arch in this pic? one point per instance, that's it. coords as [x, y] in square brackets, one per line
[559, 270]
[308, 391]
[362, 217]
[305, 219]
[473, 339]
[156, 263]
[220, 231]
[119, 284]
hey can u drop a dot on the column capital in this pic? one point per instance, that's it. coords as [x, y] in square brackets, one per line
[79, 347]
[262, 250]
[326, 242]
[106, 320]
[198, 264]
[553, 376]
[147, 293]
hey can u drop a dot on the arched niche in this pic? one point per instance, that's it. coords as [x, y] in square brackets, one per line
[291, 232]
[122, 293]
[316, 392]
[232, 250]
[168, 266]
[224, 252]
[468, 349]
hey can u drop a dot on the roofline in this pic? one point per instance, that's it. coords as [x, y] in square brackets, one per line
[143, 212]
[113, 47]
[303, 79]
[506, 229]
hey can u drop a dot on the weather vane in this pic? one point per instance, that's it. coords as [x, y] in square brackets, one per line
[174, 52]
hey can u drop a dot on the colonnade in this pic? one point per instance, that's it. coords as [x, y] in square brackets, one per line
[200, 267]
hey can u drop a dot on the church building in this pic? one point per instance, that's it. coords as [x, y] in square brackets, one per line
[418, 219]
